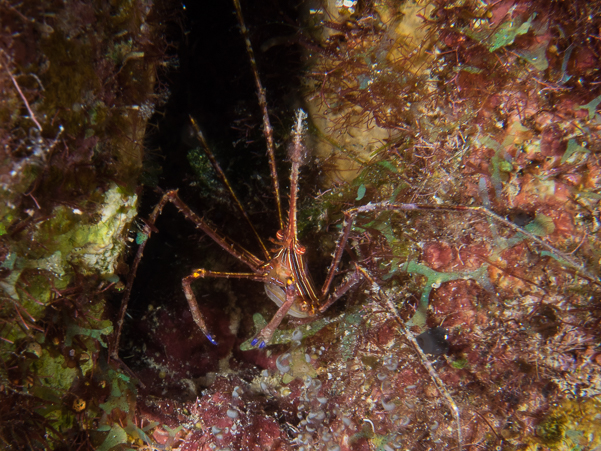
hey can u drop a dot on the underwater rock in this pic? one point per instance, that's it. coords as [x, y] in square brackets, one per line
[488, 106]
[78, 88]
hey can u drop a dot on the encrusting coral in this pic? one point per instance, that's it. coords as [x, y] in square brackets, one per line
[78, 87]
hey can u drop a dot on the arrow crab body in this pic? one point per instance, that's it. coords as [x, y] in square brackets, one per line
[283, 271]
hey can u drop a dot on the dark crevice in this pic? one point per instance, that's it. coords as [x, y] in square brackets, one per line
[210, 79]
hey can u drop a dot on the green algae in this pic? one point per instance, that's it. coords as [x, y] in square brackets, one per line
[116, 436]
[500, 36]
[572, 149]
[55, 373]
[433, 280]
[591, 107]
[282, 336]
[96, 334]
[537, 57]
[361, 192]
[541, 225]
[501, 166]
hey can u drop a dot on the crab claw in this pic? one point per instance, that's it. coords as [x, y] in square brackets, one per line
[211, 339]
[261, 343]
[267, 332]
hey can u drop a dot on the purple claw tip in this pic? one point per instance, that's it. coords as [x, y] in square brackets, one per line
[254, 342]
[211, 339]
[262, 345]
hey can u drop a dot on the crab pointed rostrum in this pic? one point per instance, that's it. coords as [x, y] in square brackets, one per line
[297, 155]
[297, 297]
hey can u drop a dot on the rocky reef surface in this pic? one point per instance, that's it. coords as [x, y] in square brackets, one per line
[469, 330]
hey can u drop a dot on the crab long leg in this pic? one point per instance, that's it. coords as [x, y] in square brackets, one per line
[266, 333]
[126, 294]
[351, 214]
[232, 248]
[566, 260]
[267, 128]
[349, 218]
[203, 273]
[245, 256]
[341, 290]
[440, 385]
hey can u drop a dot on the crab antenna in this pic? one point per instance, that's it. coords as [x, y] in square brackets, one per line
[267, 129]
[226, 183]
[297, 151]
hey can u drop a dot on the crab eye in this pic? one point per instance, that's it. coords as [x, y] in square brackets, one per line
[280, 234]
[290, 281]
[300, 249]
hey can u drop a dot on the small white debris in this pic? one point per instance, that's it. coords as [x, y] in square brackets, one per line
[388, 406]
[236, 392]
[282, 363]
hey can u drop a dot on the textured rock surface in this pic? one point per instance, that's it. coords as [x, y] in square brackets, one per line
[492, 106]
[435, 103]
